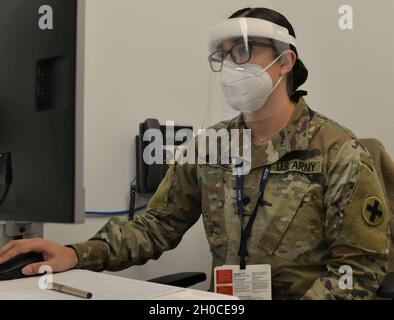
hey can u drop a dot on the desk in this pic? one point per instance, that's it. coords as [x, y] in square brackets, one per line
[103, 286]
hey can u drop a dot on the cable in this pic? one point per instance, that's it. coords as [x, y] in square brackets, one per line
[130, 212]
[114, 213]
[5, 193]
[5, 175]
[133, 191]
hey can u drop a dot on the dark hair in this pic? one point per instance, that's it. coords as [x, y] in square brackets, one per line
[298, 76]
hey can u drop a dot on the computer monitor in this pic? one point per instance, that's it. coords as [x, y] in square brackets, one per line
[41, 110]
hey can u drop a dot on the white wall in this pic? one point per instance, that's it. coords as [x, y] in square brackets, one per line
[351, 72]
[149, 59]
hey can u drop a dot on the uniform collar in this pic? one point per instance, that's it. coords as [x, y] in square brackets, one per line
[294, 137]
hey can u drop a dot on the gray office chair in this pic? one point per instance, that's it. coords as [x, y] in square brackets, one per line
[183, 280]
[385, 168]
[386, 290]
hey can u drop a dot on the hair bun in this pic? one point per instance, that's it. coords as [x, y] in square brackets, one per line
[300, 74]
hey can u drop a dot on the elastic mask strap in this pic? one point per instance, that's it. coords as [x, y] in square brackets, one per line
[277, 84]
[272, 63]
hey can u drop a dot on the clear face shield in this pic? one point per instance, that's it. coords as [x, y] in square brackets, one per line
[241, 51]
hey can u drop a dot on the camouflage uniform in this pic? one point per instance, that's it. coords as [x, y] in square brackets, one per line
[323, 208]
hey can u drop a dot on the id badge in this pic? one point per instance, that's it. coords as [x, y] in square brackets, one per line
[254, 283]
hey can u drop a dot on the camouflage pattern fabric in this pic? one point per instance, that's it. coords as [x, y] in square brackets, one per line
[385, 168]
[323, 208]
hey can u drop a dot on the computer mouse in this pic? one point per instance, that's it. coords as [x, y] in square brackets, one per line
[12, 269]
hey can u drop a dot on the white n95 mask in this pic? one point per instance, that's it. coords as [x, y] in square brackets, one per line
[247, 87]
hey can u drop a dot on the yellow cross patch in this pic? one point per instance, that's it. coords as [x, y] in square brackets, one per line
[373, 211]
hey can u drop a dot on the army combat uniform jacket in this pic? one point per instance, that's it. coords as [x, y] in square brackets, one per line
[323, 209]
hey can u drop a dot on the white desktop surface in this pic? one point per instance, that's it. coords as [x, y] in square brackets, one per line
[102, 286]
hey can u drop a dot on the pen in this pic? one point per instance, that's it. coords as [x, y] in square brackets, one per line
[72, 291]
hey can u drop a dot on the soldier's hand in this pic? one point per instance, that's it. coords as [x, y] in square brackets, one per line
[58, 257]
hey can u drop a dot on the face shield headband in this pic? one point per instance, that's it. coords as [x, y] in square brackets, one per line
[246, 28]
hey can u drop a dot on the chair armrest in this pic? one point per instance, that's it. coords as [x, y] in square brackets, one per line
[183, 280]
[386, 289]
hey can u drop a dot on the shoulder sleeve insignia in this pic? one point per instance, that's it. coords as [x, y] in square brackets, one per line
[366, 219]
[373, 211]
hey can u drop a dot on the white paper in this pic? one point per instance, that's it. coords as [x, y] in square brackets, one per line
[102, 286]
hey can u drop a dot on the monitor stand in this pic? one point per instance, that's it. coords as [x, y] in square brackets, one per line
[19, 230]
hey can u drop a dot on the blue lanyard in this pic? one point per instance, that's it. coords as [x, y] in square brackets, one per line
[246, 233]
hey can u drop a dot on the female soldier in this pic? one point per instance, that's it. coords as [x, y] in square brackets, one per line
[311, 203]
